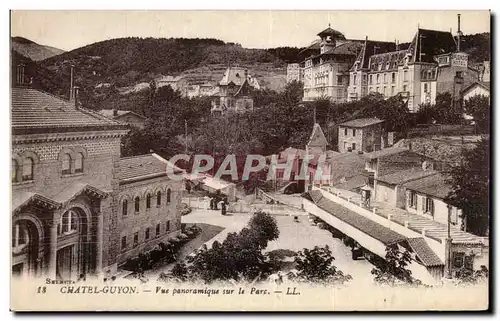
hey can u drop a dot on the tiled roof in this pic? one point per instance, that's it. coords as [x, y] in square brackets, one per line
[110, 113]
[385, 152]
[346, 165]
[393, 58]
[352, 183]
[349, 48]
[32, 108]
[76, 189]
[235, 75]
[408, 175]
[141, 166]
[485, 85]
[332, 32]
[367, 226]
[429, 43]
[371, 48]
[362, 122]
[434, 185]
[424, 252]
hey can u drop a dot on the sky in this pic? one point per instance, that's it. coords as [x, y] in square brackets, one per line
[69, 30]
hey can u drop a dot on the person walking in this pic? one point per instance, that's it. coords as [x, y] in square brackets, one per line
[223, 208]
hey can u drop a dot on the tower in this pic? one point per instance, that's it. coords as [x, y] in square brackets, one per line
[329, 39]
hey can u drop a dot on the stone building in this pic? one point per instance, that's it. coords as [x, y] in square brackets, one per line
[326, 75]
[360, 135]
[67, 184]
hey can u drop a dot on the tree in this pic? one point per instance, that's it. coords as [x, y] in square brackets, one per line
[479, 108]
[266, 227]
[394, 269]
[316, 266]
[470, 187]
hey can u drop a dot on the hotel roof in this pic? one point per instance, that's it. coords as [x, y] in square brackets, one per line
[34, 109]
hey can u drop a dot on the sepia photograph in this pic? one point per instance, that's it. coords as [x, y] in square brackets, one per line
[250, 160]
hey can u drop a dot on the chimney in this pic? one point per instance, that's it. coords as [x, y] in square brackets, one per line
[72, 84]
[459, 33]
[20, 74]
[246, 73]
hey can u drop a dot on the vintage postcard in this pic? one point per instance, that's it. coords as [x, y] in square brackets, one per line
[250, 160]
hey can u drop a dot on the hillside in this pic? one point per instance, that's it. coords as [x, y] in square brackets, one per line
[33, 50]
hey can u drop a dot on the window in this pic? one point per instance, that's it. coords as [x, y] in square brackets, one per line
[405, 88]
[339, 80]
[14, 171]
[124, 207]
[158, 198]
[167, 226]
[345, 131]
[354, 79]
[353, 146]
[169, 193]
[393, 77]
[429, 206]
[413, 200]
[68, 222]
[28, 169]
[392, 90]
[458, 259]
[353, 132]
[385, 90]
[147, 234]
[124, 242]
[378, 78]
[371, 79]
[136, 238]
[137, 204]
[66, 164]
[345, 146]
[157, 229]
[79, 163]
[385, 78]
[148, 201]
[425, 88]
[19, 235]
[405, 75]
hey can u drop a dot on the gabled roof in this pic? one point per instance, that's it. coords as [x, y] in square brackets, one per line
[317, 134]
[408, 175]
[350, 48]
[393, 58]
[365, 225]
[483, 85]
[34, 109]
[76, 189]
[110, 113]
[144, 167]
[424, 252]
[362, 122]
[22, 199]
[233, 75]
[434, 185]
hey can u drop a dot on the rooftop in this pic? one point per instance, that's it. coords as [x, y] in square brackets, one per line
[110, 113]
[433, 186]
[407, 175]
[143, 166]
[367, 226]
[385, 152]
[423, 252]
[362, 122]
[331, 32]
[34, 109]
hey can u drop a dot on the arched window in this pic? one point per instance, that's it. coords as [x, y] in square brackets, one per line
[169, 192]
[79, 163]
[15, 170]
[66, 164]
[137, 203]
[28, 169]
[69, 222]
[124, 207]
[19, 235]
[148, 201]
[158, 198]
